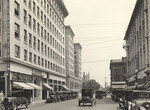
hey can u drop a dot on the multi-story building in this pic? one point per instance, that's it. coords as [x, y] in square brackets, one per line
[137, 45]
[32, 46]
[118, 73]
[117, 70]
[77, 63]
[72, 81]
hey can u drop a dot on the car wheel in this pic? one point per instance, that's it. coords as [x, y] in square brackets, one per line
[27, 104]
[14, 106]
[79, 103]
[3, 106]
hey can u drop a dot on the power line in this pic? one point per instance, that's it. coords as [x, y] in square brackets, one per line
[95, 24]
[90, 44]
[98, 61]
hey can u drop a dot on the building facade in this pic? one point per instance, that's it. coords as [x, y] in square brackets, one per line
[77, 63]
[118, 70]
[72, 82]
[32, 45]
[137, 45]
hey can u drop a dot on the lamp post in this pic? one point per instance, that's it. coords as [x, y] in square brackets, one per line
[136, 79]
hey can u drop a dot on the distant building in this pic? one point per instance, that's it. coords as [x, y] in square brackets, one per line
[117, 70]
[86, 77]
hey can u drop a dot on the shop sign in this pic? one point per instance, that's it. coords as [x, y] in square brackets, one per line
[36, 72]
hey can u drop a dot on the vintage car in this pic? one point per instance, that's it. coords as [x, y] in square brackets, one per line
[52, 98]
[17, 98]
[87, 96]
[140, 100]
[99, 94]
[2, 106]
[116, 94]
[127, 97]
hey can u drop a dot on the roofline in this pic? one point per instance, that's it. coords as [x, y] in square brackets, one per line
[68, 26]
[64, 9]
[78, 44]
[132, 17]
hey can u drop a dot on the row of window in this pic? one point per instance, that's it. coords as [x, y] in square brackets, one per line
[33, 58]
[49, 25]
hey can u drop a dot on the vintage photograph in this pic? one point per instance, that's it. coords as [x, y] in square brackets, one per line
[74, 55]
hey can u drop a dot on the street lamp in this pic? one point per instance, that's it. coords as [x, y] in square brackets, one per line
[136, 79]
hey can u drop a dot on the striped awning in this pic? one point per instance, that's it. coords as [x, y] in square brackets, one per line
[22, 85]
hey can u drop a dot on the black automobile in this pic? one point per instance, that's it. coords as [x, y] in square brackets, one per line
[99, 94]
[52, 98]
[17, 98]
[87, 96]
[117, 94]
[125, 99]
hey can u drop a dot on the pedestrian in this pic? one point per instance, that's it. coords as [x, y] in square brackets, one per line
[1, 96]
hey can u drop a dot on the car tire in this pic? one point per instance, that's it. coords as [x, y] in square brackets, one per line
[79, 103]
[3, 106]
[27, 104]
[14, 106]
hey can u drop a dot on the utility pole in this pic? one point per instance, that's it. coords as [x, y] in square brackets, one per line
[105, 83]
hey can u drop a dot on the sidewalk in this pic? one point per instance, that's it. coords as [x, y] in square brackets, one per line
[37, 101]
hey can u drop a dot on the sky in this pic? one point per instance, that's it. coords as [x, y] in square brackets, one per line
[99, 26]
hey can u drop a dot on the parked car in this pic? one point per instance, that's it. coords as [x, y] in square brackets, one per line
[52, 98]
[99, 94]
[17, 98]
[116, 94]
[125, 99]
[140, 100]
[87, 96]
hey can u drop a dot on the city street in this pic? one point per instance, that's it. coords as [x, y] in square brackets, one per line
[102, 104]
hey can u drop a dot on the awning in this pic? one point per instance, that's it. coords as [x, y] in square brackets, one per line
[134, 87]
[21, 85]
[118, 86]
[147, 85]
[47, 86]
[34, 86]
[65, 87]
[132, 78]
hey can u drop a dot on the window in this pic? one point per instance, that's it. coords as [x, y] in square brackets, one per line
[34, 42]
[30, 39]
[41, 16]
[38, 12]
[30, 21]
[44, 4]
[41, 31]
[25, 36]
[45, 34]
[47, 9]
[34, 59]
[30, 57]
[45, 63]
[25, 55]
[47, 23]
[34, 24]
[0, 26]
[42, 62]
[17, 51]
[25, 1]
[29, 4]
[42, 47]
[45, 20]
[17, 8]
[38, 28]
[38, 45]
[45, 49]
[17, 31]
[34, 7]
[25, 16]
[38, 60]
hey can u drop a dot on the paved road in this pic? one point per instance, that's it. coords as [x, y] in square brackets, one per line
[102, 104]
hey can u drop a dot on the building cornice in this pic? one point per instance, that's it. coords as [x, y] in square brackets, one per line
[34, 67]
